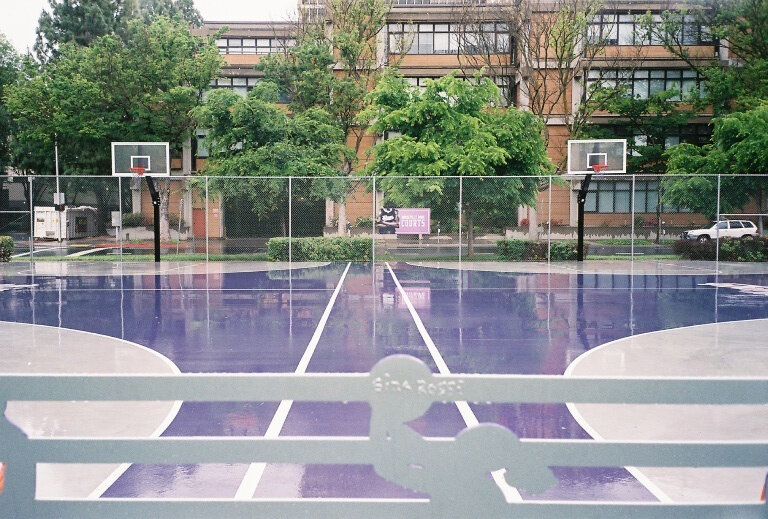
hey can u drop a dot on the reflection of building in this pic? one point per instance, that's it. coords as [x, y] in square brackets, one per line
[430, 38]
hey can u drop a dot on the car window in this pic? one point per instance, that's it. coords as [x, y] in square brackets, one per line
[748, 225]
[722, 225]
[736, 225]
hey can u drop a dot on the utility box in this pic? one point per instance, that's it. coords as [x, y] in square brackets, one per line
[73, 222]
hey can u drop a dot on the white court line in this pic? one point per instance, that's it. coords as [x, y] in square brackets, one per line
[89, 251]
[510, 493]
[255, 471]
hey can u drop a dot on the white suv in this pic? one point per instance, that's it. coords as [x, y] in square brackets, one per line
[739, 229]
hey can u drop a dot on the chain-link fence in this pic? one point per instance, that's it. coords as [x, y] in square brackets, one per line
[439, 219]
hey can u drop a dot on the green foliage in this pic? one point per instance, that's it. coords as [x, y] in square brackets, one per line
[82, 22]
[525, 250]
[656, 118]
[366, 222]
[739, 147]
[755, 250]
[79, 22]
[450, 130]
[133, 220]
[10, 72]
[141, 88]
[321, 249]
[6, 248]
[253, 137]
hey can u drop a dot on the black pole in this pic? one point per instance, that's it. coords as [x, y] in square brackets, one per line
[582, 199]
[156, 206]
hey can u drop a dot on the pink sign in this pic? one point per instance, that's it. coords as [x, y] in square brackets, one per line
[413, 221]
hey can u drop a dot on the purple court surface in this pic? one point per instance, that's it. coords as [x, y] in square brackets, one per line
[344, 318]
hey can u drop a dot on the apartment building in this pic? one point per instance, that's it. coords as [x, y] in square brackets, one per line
[427, 39]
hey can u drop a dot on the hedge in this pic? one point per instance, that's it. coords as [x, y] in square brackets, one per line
[321, 249]
[524, 250]
[730, 249]
[6, 248]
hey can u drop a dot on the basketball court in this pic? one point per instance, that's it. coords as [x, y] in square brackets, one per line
[344, 317]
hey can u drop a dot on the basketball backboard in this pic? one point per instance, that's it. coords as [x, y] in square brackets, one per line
[610, 155]
[151, 157]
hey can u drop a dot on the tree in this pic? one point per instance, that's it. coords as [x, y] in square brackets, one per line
[150, 10]
[555, 48]
[738, 95]
[141, 87]
[452, 130]
[253, 137]
[739, 147]
[335, 69]
[83, 21]
[10, 71]
[76, 21]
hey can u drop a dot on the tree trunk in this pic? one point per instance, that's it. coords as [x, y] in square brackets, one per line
[470, 234]
[165, 199]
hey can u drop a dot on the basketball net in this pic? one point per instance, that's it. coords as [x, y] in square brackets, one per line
[139, 171]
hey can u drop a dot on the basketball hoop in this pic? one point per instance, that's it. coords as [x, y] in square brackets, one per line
[138, 171]
[598, 168]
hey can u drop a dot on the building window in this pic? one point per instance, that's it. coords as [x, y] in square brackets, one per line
[615, 196]
[626, 29]
[505, 83]
[243, 85]
[253, 45]
[697, 134]
[644, 83]
[443, 38]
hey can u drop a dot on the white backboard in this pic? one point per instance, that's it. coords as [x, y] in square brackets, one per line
[154, 157]
[583, 154]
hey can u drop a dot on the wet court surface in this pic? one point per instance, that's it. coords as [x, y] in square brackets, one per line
[355, 315]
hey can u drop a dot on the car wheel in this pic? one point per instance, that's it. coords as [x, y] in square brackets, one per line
[747, 237]
[703, 238]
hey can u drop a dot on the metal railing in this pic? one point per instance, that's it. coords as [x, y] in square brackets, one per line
[451, 471]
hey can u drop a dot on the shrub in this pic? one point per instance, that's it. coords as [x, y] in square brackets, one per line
[6, 248]
[321, 249]
[525, 250]
[730, 250]
[133, 220]
[364, 221]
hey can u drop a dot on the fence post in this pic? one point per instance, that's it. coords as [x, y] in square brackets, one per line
[32, 221]
[461, 214]
[717, 228]
[632, 222]
[206, 223]
[290, 222]
[549, 222]
[120, 210]
[373, 226]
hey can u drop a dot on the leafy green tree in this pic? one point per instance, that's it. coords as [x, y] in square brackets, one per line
[451, 129]
[83, 21]
[76, 21]
[738, 95]
[253, 137]
[150, 10]
[139, 88]
[335, 69]
[10, 72]
[739, 146]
